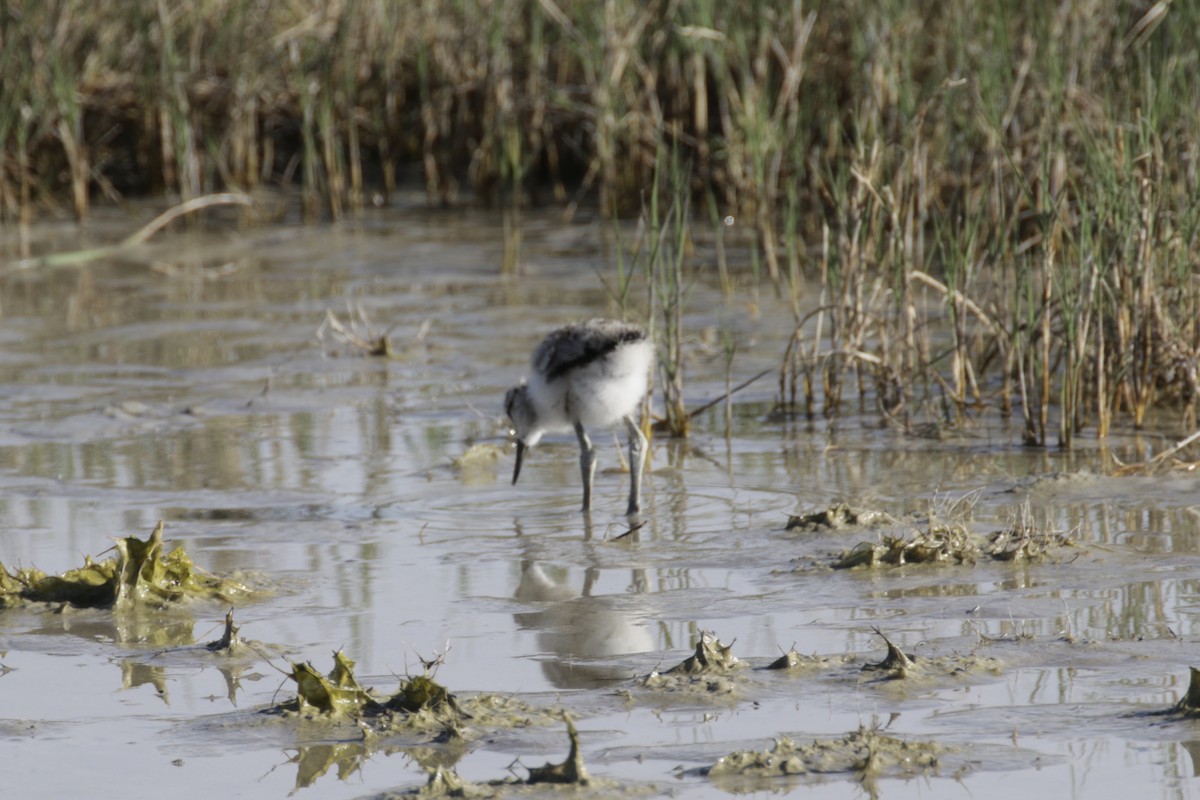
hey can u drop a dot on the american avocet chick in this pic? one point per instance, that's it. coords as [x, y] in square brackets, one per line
[593, 374]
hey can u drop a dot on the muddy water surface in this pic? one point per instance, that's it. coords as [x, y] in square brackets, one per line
[190, 381]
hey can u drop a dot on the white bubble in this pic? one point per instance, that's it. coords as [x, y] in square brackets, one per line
[729, 220]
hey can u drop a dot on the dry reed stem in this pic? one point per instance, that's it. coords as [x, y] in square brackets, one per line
[137, 237]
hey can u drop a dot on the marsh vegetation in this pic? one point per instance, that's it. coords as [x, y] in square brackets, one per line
[1019, 178]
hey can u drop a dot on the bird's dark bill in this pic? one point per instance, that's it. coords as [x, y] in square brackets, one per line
[520, 457]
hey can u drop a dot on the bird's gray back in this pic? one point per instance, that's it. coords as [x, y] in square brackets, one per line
[575, 346]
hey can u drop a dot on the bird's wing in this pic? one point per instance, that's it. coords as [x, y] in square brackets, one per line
[575, 346]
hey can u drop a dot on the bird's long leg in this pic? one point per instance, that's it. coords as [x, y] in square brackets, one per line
[587, 464]
[637, 458]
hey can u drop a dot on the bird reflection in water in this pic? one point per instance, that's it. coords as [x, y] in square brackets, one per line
[579, 634]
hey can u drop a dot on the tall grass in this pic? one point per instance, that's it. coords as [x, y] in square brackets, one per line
[1026, 175]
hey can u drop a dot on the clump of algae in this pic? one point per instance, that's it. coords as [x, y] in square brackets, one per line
[901, 666]
[707, 670]
[420, 704]
[230, 643]
[838, 516]
[710, 656]
[939, 543]
[337, 694]
[793, 661]
[896, 664]
[953, 543]
[479, 457]
[140, 574]
[1023, 542]
[864, 751]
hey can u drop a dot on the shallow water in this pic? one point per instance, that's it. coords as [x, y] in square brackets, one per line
[187, 381]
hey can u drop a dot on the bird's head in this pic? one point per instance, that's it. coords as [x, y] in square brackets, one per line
[519, 407]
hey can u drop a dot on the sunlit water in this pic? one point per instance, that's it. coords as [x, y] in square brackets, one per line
[191, 381]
